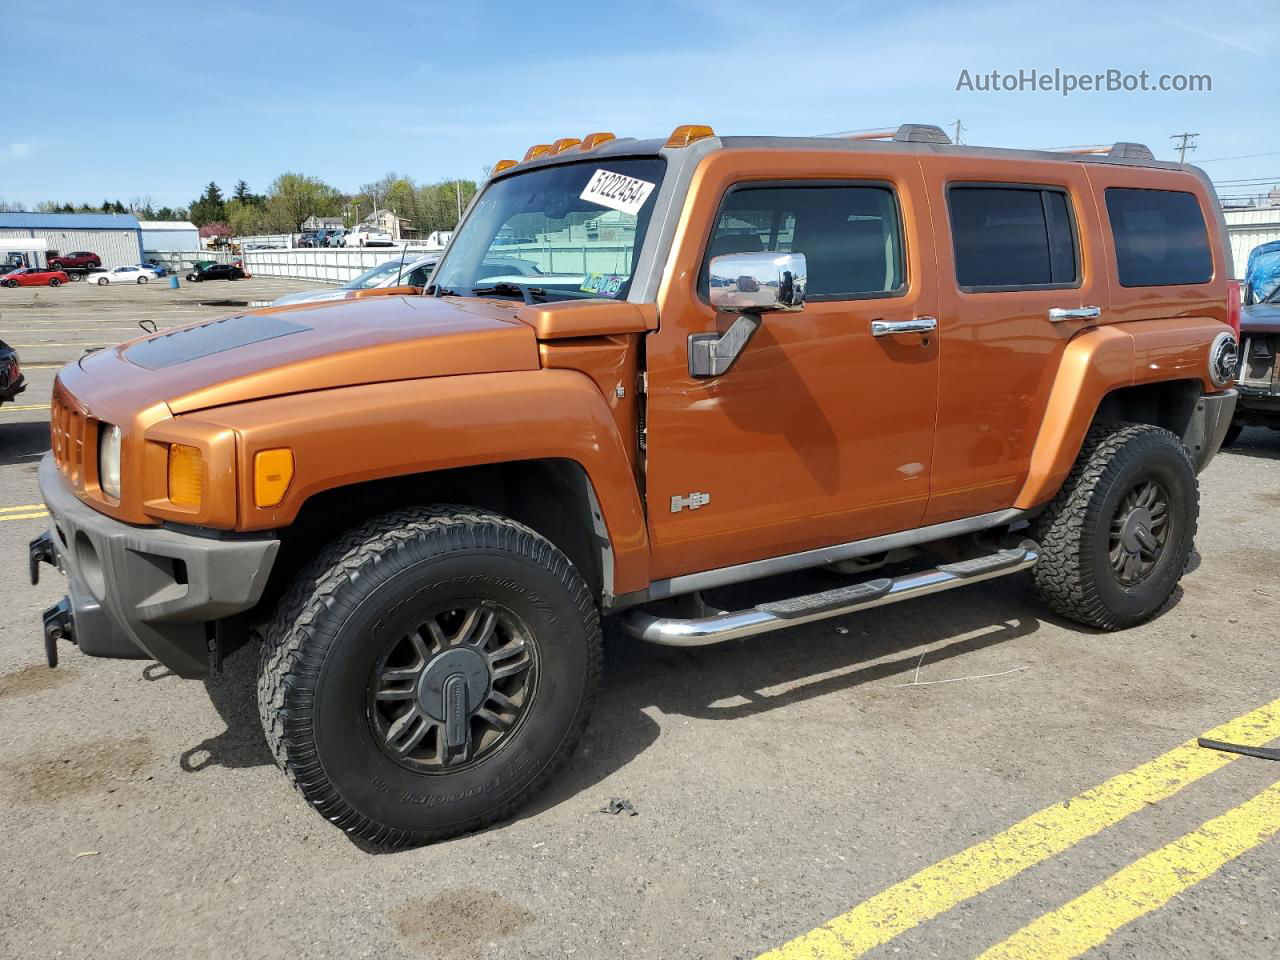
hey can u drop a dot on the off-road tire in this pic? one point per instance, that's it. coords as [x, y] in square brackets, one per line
[1074, 576]
[320, 647]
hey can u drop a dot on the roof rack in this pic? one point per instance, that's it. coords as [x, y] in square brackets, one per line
[1121, 149]
[906, 133]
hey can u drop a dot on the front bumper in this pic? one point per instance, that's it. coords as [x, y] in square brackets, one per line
[146, 591]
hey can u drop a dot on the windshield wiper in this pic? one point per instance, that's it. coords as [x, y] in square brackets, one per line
[503, 288]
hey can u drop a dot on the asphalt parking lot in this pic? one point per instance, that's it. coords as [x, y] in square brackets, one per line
[961, 776]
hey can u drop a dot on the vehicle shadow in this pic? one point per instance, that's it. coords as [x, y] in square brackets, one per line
[233, 694]
[23, 442]
[744, 678]
[1260, 443]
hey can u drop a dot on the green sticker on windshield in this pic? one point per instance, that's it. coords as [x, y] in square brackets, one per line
[604, 284]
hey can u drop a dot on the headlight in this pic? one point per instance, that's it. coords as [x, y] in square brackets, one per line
[109, 459]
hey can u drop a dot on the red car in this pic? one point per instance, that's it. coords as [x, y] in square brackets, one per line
[79, 260]
[34, 277]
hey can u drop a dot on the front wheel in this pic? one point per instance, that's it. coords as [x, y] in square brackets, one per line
[142, 280]
[103, 281]
[429, 673]
[55, 282]
[1116, 539]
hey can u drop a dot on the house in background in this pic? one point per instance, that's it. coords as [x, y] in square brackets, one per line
[313, 223]
[400, 228]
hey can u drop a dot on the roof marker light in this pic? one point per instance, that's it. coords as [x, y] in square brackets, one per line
[503, 165]
[536, 151]
[593, 140]
[564, 143]
[687, 133]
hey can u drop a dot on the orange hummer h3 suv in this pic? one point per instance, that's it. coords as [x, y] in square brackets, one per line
[644, 372]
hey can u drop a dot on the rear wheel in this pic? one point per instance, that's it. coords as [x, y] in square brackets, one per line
[1116, 538]
[142, 280]
[103, 281]
[55, 282]
[429, 673]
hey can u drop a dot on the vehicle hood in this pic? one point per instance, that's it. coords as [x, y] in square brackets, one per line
[311, 296]
[279, 351]
[1260, 318]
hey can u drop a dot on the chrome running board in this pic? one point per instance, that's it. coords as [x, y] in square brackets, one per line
[730, 625]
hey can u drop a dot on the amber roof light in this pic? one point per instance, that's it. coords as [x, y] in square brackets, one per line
[564, 143]
[593, 140]
[536, 151]
[503, 165]
[687, 133]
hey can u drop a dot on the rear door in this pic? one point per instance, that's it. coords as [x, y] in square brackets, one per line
[1018, 243]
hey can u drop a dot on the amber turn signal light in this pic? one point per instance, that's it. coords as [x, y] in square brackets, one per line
[593, 140]
[186, 475]
[503, 165]
[564, 143]
[536, 151]
[687, 133]
[272, 474]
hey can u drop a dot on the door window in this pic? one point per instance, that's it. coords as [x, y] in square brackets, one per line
[1012, 238]
[1160, 237]
[851, 236]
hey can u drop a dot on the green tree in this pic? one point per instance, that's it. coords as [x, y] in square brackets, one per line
[293, 197]
[439, 203]
[210, 207]
[246, 218]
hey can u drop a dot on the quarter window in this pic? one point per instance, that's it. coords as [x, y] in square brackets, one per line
[1012, 238]
[1160, 237]
[851, 236]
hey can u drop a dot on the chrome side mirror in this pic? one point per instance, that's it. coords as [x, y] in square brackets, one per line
[757, 282]
[747, 284]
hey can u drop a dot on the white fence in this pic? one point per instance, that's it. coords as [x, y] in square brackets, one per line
[324, 264]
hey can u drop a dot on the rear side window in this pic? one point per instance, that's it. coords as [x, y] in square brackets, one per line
[1012, 238]
[1160, 237]
[851, 236]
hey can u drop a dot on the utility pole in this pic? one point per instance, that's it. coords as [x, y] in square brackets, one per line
[457, 186]
[1185, 145]
[959, 126]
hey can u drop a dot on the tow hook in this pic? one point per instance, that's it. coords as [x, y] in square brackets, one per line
[59, 624]
[41, 550]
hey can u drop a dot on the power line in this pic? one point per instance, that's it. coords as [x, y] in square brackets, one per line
[1243, 156]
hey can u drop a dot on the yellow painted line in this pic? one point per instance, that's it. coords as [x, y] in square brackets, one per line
[1145, 885]
[23, 516]
[938, 888]
[24, 508]
[24, 406]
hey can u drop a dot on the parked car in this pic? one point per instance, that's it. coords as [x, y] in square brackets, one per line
[217, 271]
[122, 275]
[335, 237]
[9, 268]
[307, 239]
[392, 273]
[974, 362]
[365, 235]
[158, 269]
[12, 382]
[1258, 376]
[80, 260]
[34, 277]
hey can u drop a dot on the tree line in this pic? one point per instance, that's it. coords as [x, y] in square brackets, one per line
[291, 199]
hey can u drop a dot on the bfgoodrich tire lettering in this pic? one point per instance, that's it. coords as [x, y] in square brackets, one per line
[1076, 573]
[331, 629]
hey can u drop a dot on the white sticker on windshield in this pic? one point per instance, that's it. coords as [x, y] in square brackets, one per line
[617, 191]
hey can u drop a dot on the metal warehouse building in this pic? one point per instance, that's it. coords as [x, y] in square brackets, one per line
[115, 237]
[169, 236]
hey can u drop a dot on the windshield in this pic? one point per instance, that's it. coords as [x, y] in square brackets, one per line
[568, 231]
[371, 278]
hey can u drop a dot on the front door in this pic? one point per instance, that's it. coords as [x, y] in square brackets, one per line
[821, 432]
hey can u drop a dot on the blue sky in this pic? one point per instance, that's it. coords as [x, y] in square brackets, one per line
[158, 102]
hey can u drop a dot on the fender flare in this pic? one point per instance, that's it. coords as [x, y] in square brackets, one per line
[350, 435]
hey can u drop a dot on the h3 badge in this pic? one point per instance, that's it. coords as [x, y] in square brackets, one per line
[692, 502]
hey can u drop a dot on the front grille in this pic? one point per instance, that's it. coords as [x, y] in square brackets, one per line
[69, 429]
[1258, 362]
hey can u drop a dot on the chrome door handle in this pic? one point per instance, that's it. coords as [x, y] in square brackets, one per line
[1058, 314]
[886, 328]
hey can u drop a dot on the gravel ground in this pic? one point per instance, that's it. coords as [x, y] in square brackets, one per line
[779, 781]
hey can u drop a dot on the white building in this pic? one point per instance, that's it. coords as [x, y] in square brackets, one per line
[115, 237]
[169, 236]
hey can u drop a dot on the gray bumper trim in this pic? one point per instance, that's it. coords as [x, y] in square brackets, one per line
[1209, 423]
[159, 587]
